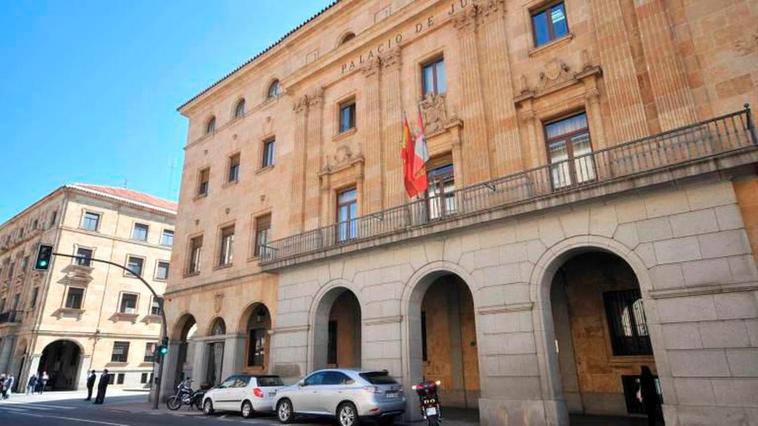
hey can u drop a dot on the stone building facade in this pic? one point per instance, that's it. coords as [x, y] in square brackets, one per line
[81, 315]
[592, 207]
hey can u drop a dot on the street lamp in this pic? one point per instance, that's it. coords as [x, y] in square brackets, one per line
[45, 253]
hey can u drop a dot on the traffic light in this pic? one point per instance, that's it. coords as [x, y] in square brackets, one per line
[44, 254]
[163, 350]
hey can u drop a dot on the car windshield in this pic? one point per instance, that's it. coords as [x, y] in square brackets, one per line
[269, 381]
[379, 378]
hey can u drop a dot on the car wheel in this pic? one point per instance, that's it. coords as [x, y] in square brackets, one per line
[247, 410]
[208, 407]
[347, 415]
[284, 411]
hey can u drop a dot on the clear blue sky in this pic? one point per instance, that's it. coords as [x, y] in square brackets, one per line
[89, 88]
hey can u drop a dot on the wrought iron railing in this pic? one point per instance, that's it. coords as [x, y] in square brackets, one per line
[11, 316]
[698, 141]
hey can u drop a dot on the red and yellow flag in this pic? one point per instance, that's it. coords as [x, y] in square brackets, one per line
[414, 155]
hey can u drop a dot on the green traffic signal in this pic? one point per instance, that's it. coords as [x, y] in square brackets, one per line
[163, 350]
[43, 257]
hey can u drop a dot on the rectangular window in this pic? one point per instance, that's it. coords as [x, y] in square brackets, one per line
[128, 303]
[74, 298]
[256, 347]
[91, 221]
[441, 191]
[331, 351]
[262, 235]
[569, 151]
[150, 351]
[167, 238]
[434, 77]
[226, 244]
[549, 23]
[627, 323]
[196, 245]
[234, 168]
[53, 218]
[144, 378]
[120, 380]
[135, 265]
[84, 256]
[347, 211]
[347, 116]
[202, 185]
[161, 270]
[33, 300]
[268, 153]
[139, 232]
[155, 307]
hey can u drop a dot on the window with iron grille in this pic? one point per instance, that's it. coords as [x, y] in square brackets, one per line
[256, 347]
[627, 324]
[120, 352]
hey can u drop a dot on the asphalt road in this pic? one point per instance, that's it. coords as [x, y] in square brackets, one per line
[122, 410]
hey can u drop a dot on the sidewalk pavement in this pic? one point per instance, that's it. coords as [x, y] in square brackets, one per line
[75, 395]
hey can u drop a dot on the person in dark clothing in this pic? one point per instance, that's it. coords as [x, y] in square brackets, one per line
[90, 384]
[102, 386]
[648, 396]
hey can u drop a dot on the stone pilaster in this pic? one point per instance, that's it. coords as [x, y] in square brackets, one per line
[619, 74]
[392, 105]
[673, 98]
[297, 204]
[234, 355]
[372, 149]
[507, 156]
[476, 150]
[314, 154]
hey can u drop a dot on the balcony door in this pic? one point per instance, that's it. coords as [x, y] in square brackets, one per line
[347, 211]
[569, 151]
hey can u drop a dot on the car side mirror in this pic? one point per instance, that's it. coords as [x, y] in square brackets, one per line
[301, 383]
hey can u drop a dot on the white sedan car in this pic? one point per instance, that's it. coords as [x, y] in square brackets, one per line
[248, 394]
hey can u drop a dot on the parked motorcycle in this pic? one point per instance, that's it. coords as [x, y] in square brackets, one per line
[429, 402]
[186, 396]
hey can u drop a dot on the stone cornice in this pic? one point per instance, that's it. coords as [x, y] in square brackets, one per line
[703, 290]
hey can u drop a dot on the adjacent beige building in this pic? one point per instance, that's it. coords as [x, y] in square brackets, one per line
[593, 207]
[82, 315]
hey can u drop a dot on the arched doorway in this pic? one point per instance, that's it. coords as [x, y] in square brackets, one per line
[257, 324]
[215, 348]
[185, 329]
[337, 338]
[61, 360]
[601, 334]
[443, 341]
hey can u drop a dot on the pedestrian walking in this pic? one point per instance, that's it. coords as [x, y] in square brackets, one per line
[2, 386]
[42, 382]
[90, 384]
[102, 386]
[31, 385]
[648, 396]
[9, 382]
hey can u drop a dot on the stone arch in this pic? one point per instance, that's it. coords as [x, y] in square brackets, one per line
[216, 327]
[540, 284]
[319, 315]
[413, 295]
[255, 318]
[181, 326]
[62, 360]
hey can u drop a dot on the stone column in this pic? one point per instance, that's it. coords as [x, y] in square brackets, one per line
[234, 355]
[199, 361]
[392, 106]
[84, 365]
[673, 98]
[373, 197]
[314, 154]
[297, 204]
[619, 73]
[476, 152]
[6, 351]
[507, 157]
[169, 370]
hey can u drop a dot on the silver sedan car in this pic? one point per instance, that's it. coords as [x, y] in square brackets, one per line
[347, 394]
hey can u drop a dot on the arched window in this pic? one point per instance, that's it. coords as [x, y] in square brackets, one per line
[211, 126]
[239, 110]
[347, 37]
[274, 89]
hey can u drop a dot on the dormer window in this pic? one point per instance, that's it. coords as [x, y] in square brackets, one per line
[239, 110]
[274, 90]
[211, 126]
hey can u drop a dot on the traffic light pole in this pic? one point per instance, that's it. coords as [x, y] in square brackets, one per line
[164, 324]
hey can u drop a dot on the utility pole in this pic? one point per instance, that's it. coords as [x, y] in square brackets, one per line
[44, 254]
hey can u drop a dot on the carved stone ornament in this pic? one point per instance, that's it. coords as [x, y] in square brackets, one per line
[747, 44]
[434, 111]
[218, 302]
[371, 66]
[390, 58]
[556, 72]
[465, 20]
[342, 158]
